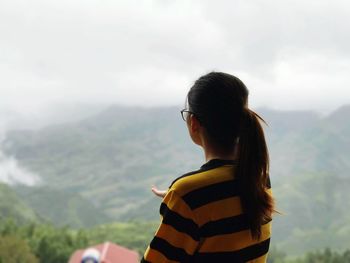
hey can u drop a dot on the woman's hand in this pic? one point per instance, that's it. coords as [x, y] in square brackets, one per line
[157, 192]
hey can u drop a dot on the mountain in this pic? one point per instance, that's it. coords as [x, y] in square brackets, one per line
[302, 142]
[314, 213]
[110, 161]
[11, 206]
[61, 207]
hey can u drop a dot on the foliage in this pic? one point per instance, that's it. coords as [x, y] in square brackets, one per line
[32, 243]
[50, 244]
[325, 256]
[276, 256]
[47, 243]
[14, 250]
[11, 206]
[69, 208]
[102, 168]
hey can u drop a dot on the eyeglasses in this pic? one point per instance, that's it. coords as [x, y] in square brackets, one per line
[185, 113]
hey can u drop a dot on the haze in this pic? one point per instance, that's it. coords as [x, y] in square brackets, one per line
[291, 54]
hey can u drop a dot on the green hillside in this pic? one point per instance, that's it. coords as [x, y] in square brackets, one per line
[315, 213]
[61, 207]
[111, 159]
[108, 162]
[11, 206]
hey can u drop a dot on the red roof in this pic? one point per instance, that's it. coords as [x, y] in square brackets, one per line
[110, 253]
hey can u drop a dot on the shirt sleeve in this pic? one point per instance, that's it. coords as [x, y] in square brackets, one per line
[177, 236]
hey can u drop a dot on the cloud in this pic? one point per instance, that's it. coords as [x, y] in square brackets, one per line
[150, 52]
[11, 173]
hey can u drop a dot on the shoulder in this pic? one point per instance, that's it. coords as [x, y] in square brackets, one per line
[201, 178]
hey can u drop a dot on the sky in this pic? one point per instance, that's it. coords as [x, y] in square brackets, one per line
[292, 55]
[64, 59]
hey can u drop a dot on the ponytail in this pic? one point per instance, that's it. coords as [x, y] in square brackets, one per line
[253, 172]
[219, 100]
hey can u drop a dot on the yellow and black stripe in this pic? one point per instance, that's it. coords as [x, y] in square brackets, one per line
[202, 220]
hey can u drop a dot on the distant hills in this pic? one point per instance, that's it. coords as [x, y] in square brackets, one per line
[11, 206]
[111, 159]
[101, 169]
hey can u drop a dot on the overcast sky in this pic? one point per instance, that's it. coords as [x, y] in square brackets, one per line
[291, 54]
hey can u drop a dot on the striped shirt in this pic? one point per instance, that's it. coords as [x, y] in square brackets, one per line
[202, 220]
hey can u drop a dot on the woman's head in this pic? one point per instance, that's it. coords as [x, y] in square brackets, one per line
[219, 101]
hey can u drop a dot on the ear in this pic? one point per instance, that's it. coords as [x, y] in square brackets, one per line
[194, 124]
[195, 129]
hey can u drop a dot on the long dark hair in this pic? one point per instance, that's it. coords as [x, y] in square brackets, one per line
[220, 102]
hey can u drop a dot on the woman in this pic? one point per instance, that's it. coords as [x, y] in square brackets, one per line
[223, 211]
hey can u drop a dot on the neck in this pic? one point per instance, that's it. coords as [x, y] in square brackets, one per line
[211, 153]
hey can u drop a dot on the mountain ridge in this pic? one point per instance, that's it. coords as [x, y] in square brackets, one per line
[112, 158]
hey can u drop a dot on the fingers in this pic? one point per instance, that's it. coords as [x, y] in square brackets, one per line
[157, 192]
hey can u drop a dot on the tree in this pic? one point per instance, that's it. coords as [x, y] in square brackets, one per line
[14, 250]
[55, 247]
[276, 256]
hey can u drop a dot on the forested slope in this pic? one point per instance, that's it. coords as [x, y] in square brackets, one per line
[108, 162]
